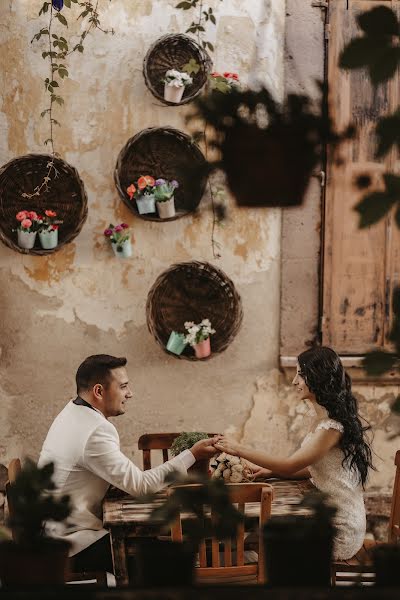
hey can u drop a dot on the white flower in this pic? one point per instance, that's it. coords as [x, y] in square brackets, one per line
[236, 477]
[234, 460]
[189, 324]
[206, 322]
[217, 474]
[222, 456]
[237, 468]
[226, 474]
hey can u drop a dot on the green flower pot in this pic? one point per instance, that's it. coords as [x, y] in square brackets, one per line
[48, 238]
[176, 343]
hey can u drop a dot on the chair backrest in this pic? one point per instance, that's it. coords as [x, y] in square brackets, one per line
[234, 567]
[394, 523]
[157, 441]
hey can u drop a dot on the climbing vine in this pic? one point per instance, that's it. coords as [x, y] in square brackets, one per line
[197, 26]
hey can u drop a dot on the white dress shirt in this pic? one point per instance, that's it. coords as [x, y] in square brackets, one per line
[85, 449]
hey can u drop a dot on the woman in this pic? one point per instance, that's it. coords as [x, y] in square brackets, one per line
[335, 454]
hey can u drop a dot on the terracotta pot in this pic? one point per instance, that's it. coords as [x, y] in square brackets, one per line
[166, 209]
[46, 563]
[267, 167]
[173, 94]
[203, 349]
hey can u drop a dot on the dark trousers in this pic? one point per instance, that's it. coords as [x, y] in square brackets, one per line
[96, 557]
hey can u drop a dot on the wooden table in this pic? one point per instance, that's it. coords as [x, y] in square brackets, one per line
[126, 519]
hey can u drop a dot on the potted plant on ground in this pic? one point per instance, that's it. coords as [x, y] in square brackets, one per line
[164, 195]
[143, 193]
[174, 85]
[120, 238]
[33, 558]
[28, 226]
[198, 337]
[48, 232]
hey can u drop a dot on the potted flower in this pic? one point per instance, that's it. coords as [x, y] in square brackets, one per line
[198, 337]
[48, 232]
[143, 193]
[174, 85]
[224, 82]
[28, 225]
[164, 195]
[120, 239]
[176, 343]
[31, 557]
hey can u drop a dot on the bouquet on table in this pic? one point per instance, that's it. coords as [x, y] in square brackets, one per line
[232, 469]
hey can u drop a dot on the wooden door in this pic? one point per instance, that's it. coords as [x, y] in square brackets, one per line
[358, 265]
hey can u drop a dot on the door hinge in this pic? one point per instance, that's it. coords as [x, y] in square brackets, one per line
[319, 3]
[321, 176]
[327, 32]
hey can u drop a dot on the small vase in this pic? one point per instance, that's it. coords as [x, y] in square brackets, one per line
[146, 204]
[166, 209]
[173, 94]
[203, 349]
[176, 343]
[123, 250]
[48, 238]
[26, 239]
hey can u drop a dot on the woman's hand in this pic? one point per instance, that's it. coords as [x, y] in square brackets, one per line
[228, 446]
[261, 473]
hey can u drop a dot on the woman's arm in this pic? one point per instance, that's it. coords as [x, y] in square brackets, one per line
[319, 444]
[268, 474]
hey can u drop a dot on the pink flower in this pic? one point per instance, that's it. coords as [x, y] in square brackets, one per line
[32, 215]
[108, 232]
[26, 223]
[21, 215]
[118, 228]
[124, 225]
[54, 227]
[50, 213]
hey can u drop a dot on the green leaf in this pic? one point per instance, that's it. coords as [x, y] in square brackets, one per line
[62, 19]
[83, 14]
[54, 83]
[191, 67]
[388, 133]
[184, 5]
[212, 19]
[379, 362]
[373, 207]
[380, 20]
[67, 3]
[211, 47]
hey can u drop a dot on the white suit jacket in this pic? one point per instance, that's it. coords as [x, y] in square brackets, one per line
[85, 449]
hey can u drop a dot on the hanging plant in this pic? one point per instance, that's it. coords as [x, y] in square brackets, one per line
[197, 26]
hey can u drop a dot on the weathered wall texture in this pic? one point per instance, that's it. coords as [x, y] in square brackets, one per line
[58, 309]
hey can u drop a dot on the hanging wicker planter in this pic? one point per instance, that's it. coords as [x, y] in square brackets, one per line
[173, 51]
[65, 194]
[163, 152]
[193, 291]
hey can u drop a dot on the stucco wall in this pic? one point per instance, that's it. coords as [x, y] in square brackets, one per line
[58, 309]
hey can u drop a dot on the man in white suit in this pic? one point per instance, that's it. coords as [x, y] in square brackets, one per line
[84, 446]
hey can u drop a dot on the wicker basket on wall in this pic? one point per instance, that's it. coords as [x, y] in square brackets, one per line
[168, 153]
[65, 195]
[173, 51]
[193, 291]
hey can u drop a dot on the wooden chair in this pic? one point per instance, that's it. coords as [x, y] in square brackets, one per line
[157, 441]
[97, 578]
[359, 569]
[234, 569]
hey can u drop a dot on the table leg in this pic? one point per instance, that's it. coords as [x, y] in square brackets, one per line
[118, 548]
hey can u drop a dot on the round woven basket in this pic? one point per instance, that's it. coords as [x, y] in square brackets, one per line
[173, 51]
[167, 153]
[194, 291]
[65, 195]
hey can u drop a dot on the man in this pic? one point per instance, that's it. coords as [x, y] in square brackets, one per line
[84, 445]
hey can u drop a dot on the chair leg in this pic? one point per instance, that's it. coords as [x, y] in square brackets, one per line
[333, 576]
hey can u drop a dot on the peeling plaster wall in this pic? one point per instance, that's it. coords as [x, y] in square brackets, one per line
[58, 309]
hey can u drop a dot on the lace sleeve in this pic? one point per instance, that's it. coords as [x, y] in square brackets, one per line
[330, 424]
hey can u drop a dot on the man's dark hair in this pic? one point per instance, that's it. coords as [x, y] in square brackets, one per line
[96, 369]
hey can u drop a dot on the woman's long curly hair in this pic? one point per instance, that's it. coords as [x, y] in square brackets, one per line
[324, 375]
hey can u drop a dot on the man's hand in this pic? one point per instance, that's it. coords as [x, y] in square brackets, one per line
[204, 449]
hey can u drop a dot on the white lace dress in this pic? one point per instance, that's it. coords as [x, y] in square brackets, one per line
[346, 493]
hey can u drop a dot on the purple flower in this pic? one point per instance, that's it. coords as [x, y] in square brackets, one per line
[160, 181]
[174, 183]
[118, 228]
[108, 232]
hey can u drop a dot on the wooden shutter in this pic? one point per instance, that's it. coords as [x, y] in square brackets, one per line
[360, 267]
